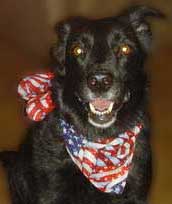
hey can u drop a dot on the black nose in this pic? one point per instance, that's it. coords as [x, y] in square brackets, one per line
[100, 81]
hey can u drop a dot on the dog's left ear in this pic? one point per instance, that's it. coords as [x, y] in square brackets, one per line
[138, 18]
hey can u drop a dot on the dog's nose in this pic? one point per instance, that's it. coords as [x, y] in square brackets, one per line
[100, 81]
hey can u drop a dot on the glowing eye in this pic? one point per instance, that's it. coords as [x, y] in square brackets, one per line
[76, 50]
[125, 49]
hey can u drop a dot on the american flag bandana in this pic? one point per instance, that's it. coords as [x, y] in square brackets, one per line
[106, 162]
[35, 90]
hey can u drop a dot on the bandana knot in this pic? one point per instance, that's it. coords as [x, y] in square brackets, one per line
[35, 90]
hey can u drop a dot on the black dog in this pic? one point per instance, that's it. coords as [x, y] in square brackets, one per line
[101, 89]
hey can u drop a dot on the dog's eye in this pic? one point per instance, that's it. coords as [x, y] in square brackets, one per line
[125, 49]
[76, 50]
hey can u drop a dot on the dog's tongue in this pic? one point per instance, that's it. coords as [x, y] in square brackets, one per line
[101, 104]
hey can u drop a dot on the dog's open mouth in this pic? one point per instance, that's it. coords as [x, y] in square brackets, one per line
[101, 113]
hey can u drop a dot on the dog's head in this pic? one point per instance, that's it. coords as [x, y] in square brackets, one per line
[101, 81]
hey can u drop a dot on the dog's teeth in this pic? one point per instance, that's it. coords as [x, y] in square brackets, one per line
[107, 112]
[92, 108]
[110, 107]
[100, 113]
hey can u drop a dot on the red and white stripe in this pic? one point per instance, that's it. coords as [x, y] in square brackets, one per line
[35, 89]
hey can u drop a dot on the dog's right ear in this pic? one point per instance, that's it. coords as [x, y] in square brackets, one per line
[63, 30]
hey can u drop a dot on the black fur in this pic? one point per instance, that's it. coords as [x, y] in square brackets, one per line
[42, 172]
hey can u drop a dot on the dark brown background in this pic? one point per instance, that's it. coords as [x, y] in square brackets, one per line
[26, 33]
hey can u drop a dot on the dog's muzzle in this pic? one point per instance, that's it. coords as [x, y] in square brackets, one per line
[107, 98]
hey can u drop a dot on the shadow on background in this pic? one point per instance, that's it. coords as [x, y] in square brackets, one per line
[26, 33]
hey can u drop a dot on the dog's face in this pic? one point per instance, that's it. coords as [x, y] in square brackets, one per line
[99, 60]
[100, 68]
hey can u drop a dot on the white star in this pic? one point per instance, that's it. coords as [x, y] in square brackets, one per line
[70, 142]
